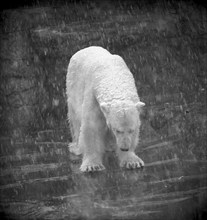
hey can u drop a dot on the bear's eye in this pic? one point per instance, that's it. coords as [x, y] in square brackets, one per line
[119, 132]
[131, 131]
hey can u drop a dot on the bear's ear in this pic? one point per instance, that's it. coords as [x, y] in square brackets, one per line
[139, 105]
[104, 108]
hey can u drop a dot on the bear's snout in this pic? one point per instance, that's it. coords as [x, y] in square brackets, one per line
[124, 149]
[125, 146]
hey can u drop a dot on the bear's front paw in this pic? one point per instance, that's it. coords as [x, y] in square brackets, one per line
[91, 167]
[131, 161]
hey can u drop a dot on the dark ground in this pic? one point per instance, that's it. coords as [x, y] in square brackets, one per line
[164, 44]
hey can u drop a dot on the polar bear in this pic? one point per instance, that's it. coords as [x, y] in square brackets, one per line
[103, 108]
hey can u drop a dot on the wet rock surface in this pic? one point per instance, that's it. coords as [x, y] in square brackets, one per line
[165, 48]
[41, 180]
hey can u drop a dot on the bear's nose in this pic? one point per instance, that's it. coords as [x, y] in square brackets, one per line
[124, 149]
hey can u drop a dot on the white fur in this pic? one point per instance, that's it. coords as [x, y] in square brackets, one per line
[102, 99]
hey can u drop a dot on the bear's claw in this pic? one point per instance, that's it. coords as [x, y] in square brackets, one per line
[132, 163]
[92, 168]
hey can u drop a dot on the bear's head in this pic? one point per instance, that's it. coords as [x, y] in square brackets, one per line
[124, 121]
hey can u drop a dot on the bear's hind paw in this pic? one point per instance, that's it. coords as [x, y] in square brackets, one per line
[92, 168]
[74, 148]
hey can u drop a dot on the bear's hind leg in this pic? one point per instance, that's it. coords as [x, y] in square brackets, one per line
[75, 124]
[73, 147]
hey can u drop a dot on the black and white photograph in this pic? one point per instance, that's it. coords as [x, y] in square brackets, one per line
[103, 110]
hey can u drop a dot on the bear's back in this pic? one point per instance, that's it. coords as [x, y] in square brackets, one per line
[93, 51]
[95, 59]
[107, 74]
[91, 57]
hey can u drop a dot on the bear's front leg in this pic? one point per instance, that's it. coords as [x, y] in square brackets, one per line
[129, 160]
[92, 144]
